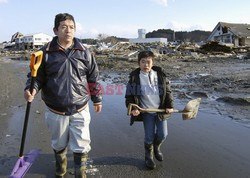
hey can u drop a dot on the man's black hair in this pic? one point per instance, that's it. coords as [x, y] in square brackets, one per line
[62, 17]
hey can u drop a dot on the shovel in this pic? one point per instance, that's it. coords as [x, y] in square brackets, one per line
[189, 112]
[24, 162]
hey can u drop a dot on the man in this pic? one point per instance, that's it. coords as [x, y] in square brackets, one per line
[66, 71]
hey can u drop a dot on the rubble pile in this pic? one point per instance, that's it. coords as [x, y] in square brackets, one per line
[125, 51]
[214, 46]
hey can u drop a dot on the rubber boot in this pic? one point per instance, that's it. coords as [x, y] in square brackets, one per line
[149, 160]
[80, 164]
[61, 162]
[157, 152]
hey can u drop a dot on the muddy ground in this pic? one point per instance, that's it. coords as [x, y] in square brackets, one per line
[215, 144]
[222, 82]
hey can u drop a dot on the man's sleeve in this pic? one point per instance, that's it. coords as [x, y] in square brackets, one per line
[93, 79]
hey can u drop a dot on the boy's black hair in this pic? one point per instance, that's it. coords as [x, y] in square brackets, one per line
[62, 17]
[145, 54]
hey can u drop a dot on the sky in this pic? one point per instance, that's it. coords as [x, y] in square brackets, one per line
[121, 18]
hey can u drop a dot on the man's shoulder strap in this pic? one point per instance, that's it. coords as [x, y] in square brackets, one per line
[46, 51]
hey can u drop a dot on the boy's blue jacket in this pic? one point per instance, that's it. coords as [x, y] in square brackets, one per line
[165, 93]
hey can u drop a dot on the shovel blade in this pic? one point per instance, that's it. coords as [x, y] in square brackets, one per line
[23, 164]
[192, 105]
[191, 109]
[189, 115]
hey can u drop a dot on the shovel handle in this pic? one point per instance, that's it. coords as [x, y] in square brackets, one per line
[152, 110]
[155, 109]
[35, 62]
[181, 111]
[161, 110]
[189, 112]
[144, 109]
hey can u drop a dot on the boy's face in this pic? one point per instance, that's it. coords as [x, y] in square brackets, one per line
[146, 64]
[65, 31]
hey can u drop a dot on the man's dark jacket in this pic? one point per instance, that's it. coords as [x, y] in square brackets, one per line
[64, 77]
[133, 92]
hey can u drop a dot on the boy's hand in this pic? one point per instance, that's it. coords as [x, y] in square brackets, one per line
[169, 110]
[28, 96]
[135, 112]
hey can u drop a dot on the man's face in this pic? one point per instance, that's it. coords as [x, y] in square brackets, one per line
[66, 31]
[146, 64]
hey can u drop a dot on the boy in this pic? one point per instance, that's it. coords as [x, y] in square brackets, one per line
[148, 87]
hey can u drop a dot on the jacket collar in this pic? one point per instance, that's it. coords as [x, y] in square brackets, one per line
[53, 45]
[155, 68]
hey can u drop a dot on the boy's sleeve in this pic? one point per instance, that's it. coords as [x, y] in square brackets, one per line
[169, 100]
[130, 89]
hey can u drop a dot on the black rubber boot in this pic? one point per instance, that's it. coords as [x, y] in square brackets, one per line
[149, 160]
[61, 162]
[80, 164]
[157, 151]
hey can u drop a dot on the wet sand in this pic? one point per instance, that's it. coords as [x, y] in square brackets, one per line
[212, 145]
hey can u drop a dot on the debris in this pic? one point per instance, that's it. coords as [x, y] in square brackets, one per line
[214, 46]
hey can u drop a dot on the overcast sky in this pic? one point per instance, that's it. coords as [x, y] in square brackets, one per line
[119, 18]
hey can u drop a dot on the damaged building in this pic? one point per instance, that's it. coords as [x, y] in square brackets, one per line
[231, 33]
[32, 41]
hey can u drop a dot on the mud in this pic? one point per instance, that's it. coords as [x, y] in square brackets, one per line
[223, 83]
[215, 144]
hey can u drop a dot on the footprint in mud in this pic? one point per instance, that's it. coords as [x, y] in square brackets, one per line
[11, 149]
[91, 170]
[5, 159]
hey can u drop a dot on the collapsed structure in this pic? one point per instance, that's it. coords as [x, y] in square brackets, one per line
[231, 34]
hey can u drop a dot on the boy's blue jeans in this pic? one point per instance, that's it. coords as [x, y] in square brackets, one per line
[154, 128]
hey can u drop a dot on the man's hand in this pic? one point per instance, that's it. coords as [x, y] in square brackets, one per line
[98, 107]
[169, 110]
[135, 112]
[28, 96]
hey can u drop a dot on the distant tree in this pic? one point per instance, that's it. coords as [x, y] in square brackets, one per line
[193, 36]
[101, 36]
[89, 41]
[110, 39]
[107, 39]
